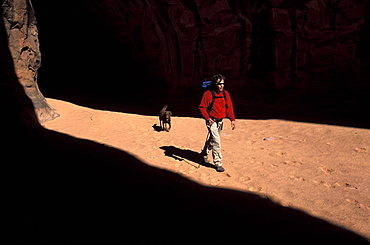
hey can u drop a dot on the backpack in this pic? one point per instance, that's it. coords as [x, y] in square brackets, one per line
[206, 85]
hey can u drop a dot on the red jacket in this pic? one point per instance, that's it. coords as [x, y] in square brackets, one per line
[221, 108]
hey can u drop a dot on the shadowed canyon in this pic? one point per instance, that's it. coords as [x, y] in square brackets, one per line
[300, 60]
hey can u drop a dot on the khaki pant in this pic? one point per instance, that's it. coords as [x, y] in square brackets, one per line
[214, 143]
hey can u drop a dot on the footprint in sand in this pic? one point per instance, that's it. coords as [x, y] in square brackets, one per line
[211, 181]
[297, 178]
[318, 182]
[204, 176]
[279, 154]
[256, 162]
[357, 204]
[270, 138]
[255, 189]
[327, 170]
[215, 181]
[345, 185]
[361, 149]
[336, 185]
[165, 163]
[292, 163]
[244, 179]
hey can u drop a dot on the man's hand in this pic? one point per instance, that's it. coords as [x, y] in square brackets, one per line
[210, 121]
[233, 125]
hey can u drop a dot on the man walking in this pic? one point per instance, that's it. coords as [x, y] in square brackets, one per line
[216, 105]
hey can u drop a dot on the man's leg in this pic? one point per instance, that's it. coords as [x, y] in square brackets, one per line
[206, 148]
[215, 143]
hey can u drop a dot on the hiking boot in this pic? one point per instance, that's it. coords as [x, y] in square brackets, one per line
[220, 169]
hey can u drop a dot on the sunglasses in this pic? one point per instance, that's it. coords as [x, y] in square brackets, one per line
[220, 83]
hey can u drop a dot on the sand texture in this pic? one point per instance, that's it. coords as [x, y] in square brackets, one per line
[322, 170]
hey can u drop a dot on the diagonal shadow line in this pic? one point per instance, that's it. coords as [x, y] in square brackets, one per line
[184, 154]
[60, 189]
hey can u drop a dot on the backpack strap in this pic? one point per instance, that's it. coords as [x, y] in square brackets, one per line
[214, 97]
[223, 91]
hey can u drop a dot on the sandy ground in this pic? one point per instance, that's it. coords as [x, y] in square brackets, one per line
[321, 169]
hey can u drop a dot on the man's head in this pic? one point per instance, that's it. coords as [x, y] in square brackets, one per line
[218, 82]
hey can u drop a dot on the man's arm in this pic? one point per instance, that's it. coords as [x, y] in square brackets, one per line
[230, 111]
[205, 102]
[233, 125]
[230, 107]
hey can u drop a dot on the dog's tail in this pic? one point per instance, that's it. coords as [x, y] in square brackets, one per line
[164, 108]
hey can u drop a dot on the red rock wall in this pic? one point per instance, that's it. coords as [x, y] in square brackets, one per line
[273, 42]
[22, 38]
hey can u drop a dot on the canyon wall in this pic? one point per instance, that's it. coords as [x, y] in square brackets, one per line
[22, 36]
[305, 55]
[264, 43]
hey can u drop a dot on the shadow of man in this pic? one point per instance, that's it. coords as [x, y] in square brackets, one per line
[185, 155]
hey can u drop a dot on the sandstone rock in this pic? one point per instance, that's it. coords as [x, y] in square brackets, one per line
[20, 24]
[281, 42]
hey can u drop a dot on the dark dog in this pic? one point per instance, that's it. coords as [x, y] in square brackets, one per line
[165, 119]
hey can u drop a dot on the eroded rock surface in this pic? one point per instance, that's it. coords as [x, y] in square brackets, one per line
[20, 24]
[277, 42]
